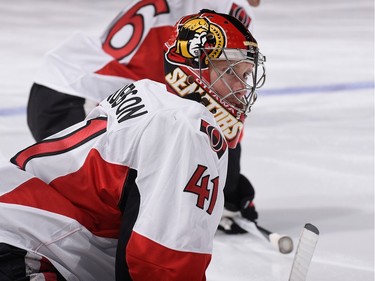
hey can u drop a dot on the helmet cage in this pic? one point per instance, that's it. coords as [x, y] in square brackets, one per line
[238, 100]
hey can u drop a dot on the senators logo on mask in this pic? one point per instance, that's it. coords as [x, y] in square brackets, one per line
[196, 34]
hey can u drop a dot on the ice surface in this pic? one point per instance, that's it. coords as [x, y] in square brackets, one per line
[309, 142]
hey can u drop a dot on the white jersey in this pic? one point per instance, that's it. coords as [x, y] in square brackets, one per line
[68, 196]
[130, 49]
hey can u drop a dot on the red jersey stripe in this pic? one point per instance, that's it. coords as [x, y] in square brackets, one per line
[148, 260]
[47, 147]
[99, 185]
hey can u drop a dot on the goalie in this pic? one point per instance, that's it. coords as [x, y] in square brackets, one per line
[135, 191]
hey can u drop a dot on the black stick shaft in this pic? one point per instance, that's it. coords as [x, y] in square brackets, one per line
[264, 231]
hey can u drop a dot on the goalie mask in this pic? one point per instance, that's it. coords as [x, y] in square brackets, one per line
[215, 56]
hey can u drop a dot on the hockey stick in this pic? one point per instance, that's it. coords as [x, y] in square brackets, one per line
[305, 250]
[283, 243]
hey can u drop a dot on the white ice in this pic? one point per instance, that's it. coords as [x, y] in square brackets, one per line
[309, 141]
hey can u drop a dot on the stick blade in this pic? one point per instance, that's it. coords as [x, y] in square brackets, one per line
[305, 250]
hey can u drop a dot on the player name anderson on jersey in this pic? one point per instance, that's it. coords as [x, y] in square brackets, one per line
[128, 104]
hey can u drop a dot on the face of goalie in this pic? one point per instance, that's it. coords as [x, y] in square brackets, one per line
[228, 79]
